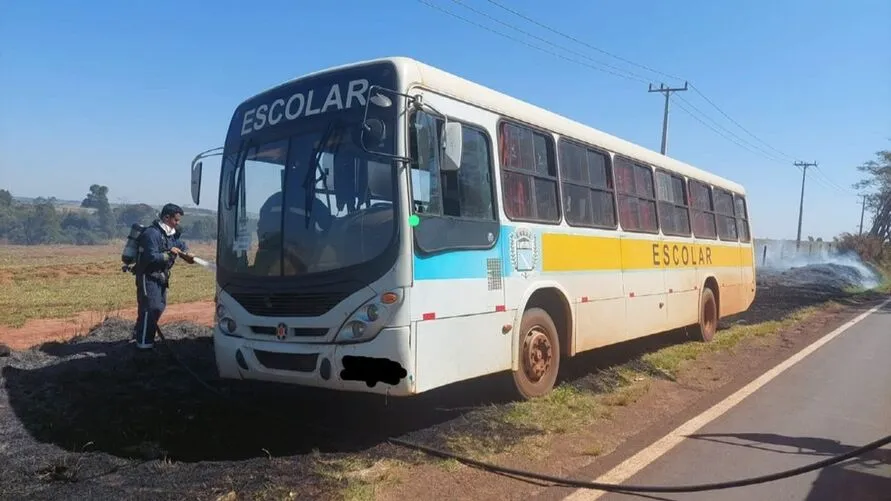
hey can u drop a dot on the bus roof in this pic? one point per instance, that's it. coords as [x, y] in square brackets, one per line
[417, 73]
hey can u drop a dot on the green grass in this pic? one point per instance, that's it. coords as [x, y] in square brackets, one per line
[60, 281]
[562, 410]
[672, 359]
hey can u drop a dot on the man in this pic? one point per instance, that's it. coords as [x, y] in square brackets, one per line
[159, 246]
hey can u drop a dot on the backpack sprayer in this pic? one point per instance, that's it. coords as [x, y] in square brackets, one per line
[131, 251]
[131, 248]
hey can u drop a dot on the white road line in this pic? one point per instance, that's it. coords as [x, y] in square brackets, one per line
[639, 461]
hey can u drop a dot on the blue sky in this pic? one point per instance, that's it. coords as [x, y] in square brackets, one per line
[126, 93]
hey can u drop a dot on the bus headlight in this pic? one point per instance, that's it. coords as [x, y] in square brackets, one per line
[372, 312]
[228, 326]
[367, 321]
[225, 322]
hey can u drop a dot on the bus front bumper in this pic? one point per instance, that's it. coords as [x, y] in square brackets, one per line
[382, 365]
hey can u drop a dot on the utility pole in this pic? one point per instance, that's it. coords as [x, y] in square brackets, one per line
[862, 212]
[801, 204]
[667, 91]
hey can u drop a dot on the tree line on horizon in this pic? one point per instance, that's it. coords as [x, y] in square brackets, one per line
[44, 221]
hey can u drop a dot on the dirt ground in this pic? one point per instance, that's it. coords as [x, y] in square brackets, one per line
[89, 418]
[36, 332]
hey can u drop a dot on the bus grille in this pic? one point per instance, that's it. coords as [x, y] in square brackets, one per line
[289, 305]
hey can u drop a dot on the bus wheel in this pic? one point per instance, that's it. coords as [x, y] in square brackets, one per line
[539, 354]
[708, 316]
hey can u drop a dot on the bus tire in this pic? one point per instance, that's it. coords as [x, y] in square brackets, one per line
[539, 354]
[708, 316]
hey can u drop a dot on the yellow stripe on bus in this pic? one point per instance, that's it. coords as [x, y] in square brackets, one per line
[563, 252]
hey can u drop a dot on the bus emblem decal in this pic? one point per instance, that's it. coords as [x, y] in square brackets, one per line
[523, 251]
[281, 332]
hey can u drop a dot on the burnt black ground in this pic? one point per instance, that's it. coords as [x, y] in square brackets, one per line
[91, 419]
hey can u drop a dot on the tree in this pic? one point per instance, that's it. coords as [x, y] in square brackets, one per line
[135, 213]
[5, 198]
[76, 221]
[42, 223]
[97, 199]
[878, 201]
[97, 196]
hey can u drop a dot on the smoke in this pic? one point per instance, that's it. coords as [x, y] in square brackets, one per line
[817, 263]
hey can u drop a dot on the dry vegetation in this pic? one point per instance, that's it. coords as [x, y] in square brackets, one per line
[58, 281]
[60, 396]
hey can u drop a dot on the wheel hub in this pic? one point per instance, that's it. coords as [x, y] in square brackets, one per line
[536, 354]
[710, 319]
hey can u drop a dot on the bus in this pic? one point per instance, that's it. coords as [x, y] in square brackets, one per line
[389, 227]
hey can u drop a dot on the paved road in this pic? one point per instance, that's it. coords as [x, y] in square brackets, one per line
[836, 399]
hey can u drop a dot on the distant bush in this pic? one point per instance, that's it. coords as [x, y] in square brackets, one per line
[869, 248]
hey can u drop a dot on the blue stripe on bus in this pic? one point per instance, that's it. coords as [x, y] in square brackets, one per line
[461, 263]
[454, 264]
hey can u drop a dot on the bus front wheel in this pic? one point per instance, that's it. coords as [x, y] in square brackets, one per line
[708, 316]
[539, 354]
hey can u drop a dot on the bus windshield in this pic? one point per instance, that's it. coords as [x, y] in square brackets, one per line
[311, 202]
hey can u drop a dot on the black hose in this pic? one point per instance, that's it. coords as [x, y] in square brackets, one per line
[584, 484]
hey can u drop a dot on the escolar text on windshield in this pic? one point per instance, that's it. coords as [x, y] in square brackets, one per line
[306, 104]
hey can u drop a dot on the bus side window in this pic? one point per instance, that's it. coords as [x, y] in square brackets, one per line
[724, 210]
[528, 175]
[587, 186]
[673, 214]
[457, 208]
[468, 192]
[465, 194]
[704, 223]
[636, 196]
[742, 218]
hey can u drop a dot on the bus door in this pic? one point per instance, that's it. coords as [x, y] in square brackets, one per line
[458, 294]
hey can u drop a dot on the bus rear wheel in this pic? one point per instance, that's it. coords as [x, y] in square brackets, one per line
[539, 354]
[708, 316]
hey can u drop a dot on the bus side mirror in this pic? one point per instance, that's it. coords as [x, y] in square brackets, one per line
[452, 145]
[196, 182]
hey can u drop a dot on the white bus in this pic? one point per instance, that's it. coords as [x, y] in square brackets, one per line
[388, 227]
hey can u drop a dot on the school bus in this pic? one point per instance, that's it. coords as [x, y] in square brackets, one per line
[389, 227]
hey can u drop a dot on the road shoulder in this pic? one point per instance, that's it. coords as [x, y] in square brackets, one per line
[650, 408]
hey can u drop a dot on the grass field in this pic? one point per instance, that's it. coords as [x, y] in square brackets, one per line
[58, 281]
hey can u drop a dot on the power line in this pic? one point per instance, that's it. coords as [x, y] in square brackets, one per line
[613, 70]
[751, 146]
[736, 139]
[515, 39]
[737, 123]
[576, 40]
[508, 25]
[713, 129]
[833, 183]
[498, 4]
[547, 51]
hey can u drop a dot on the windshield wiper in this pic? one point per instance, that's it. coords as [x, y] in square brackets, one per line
[309, 181]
